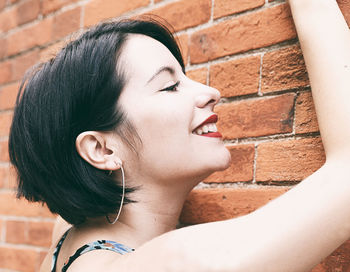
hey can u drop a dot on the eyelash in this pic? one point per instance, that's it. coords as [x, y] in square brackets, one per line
[172, 88]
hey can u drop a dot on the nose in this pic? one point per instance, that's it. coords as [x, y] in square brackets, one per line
[207, 96]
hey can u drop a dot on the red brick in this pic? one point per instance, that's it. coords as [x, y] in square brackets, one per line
[1, 230]
[338, 261]
[241, 168]
[345, 8]
[2, 4]
[251, 31]
[7, 177]
[5, 72]
[66, 23]
[53, 5]
[4, 154]
[283, 69]
[29, 233]
[227, 7]
[8, 20]
[97, 10]
[199, 75]
[3, 47]
[207, 205]
[9, 205]
[289, 160]
[27, 11]
[236, 77]
[40, 233]
[18, 259]
[22, 63]
[184, 14]
[16, 232]
[8, 96]
[5, 123]
[257, 117]
[305, 115]
[31, 36]
[183, 44]
[51, 51]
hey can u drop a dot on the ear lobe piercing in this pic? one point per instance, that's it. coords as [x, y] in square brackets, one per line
[123, 195]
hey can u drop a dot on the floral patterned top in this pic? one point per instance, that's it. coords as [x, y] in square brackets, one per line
[100, 244]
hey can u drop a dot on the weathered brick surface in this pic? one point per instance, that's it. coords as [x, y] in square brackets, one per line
[8, 95]
[22, 63]
[66, 22]
[183, 44]
[97, 10]
[207, 205]
[8, 20]
[7, 177]
[16, 232]
[18, 259]
[3, 47]
[184, 14]
[345, 8]
[199, 75]
[51, 51]
[53, 5]
[2, 4]
[227, 7]
[5, 72]
[289, 160]
[29, 232]
[305, 115]
[39, 233]
[257, 117]
[27, 11]
[241, 34]
[37, 34]
[338, 261]
[241, 168]
[9, 205]
[5, 123]
[283, 69]
[236, 77]
[4, 156]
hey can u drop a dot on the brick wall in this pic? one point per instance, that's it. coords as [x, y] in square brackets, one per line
[248, 49]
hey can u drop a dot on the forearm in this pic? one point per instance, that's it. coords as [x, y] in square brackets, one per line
[325, 41]
[292, 233]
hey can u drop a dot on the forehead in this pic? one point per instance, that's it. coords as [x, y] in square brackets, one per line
[142, 56]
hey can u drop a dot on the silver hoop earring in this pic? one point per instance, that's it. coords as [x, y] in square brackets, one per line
[122, 201]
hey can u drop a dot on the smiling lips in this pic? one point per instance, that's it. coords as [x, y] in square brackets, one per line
[208, 128]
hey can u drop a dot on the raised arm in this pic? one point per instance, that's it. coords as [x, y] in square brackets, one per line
[297, 230]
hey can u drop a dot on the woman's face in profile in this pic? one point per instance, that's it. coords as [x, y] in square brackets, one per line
[166, 107]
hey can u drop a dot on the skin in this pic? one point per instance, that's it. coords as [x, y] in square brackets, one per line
[296, 231]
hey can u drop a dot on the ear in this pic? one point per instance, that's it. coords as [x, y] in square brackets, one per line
[97, 149]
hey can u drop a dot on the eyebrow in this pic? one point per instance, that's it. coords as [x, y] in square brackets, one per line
[161, 70]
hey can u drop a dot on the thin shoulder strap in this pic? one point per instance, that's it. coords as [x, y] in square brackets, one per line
[97, 245]
[57, 251]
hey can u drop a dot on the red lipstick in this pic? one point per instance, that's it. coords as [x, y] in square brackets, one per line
[211, 119]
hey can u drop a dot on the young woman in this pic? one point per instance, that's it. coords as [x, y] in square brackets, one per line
[115, 110]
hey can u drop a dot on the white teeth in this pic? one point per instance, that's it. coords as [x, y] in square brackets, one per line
[206, 128]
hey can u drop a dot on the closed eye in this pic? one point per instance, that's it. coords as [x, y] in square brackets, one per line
[172, 88]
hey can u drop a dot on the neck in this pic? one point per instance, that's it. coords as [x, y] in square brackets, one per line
[156, 212]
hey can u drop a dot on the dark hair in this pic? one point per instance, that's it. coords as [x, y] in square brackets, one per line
[76, 91]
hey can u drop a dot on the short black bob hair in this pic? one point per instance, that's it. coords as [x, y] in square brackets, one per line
[75, 91]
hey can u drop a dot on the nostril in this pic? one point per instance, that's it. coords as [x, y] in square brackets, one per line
[212, 101]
